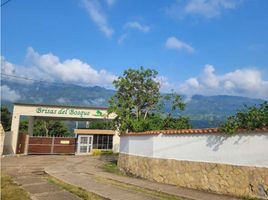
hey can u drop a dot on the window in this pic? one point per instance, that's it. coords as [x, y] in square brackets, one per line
[102, 141]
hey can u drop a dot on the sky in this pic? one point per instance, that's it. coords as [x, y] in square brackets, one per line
[208, 47]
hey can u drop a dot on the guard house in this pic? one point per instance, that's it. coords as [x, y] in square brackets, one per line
[83, 141]
[101, 139]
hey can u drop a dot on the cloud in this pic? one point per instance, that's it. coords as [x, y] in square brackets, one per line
[241, 82]
[122, 38]
[9, 94]
[165, 85]
[93, 9]
[49, 67]
[174, 43]
[110, 2]
[138, 26]
[204, 8]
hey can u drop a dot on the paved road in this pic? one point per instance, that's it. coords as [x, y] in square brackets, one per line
[28, 171]
[86, 172]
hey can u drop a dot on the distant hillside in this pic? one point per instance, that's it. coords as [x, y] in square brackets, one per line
[63, 94]
[209, 111]
[204, 111]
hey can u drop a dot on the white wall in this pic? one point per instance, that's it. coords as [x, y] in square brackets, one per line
[248, 149]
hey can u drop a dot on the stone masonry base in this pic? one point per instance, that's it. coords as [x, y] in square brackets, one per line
[219, 178]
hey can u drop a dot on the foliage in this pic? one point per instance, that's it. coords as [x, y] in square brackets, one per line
[250, 118]
[105, 125]
[112, 167]
[5, 118]
[158, 122]
[140, 106]
[46, 128]
[99, 152]
[176, 123]
[23, 126]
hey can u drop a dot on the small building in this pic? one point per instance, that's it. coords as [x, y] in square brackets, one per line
[89, 139]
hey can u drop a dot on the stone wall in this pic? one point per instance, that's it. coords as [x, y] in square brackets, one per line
[220, 178]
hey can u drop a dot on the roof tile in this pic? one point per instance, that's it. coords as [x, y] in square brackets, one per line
[190, 131]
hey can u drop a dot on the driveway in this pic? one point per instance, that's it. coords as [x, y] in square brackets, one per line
[86, 172]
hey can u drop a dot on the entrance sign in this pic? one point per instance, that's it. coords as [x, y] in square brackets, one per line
[61, 112]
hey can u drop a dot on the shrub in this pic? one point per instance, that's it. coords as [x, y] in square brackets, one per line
[249, 118]
[99, 152]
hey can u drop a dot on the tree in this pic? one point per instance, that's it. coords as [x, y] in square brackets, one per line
[249, 118]
[138, 102]
[6, 118]
[105, 125]
[137, 94]
[46, 128]
[24, 126]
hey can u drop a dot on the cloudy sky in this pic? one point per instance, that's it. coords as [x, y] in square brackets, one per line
[204, 47]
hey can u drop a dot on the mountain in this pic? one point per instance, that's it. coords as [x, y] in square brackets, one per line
[203, 111]
[210, 111]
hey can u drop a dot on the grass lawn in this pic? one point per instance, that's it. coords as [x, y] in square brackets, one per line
[80, 192]
[112, 167]
[11, 190]
[134, 188]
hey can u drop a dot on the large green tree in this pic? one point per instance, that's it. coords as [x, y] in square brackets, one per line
[139, 104]
[5, 118]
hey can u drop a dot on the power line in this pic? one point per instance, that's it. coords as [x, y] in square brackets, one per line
[2, 4]
[30, 79]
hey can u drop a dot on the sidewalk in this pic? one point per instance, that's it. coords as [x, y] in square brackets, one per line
[86, 173]
[40, 189]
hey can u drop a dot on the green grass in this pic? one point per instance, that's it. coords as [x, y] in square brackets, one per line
[11, 190]
[112, 167]
[99, 152]
[78, 191]
[134, 188]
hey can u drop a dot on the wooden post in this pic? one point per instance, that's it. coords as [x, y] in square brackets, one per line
[52, 145]
[26, 144]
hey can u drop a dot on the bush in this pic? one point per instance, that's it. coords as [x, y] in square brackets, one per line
[99, 152]
[158, 122]
[250, 118]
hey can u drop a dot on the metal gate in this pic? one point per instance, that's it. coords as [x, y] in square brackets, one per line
[84, 144]
[51, 145]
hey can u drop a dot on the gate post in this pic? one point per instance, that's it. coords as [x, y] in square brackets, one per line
[26, 144]
[30, 125]
[52, 145]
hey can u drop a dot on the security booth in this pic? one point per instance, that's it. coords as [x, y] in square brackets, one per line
[27, 143]
[89, 139]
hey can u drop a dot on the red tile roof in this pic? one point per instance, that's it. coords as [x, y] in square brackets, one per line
[189, 131]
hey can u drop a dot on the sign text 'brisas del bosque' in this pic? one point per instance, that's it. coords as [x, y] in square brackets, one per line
[63, 111]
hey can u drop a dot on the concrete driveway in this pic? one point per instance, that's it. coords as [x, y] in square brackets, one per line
[86, 172]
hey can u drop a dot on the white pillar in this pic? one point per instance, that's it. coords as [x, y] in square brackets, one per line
[30, 125]
[15, 129]
[116, 142]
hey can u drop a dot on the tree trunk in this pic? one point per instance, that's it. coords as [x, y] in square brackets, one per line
[145, 115]
[46, 129]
